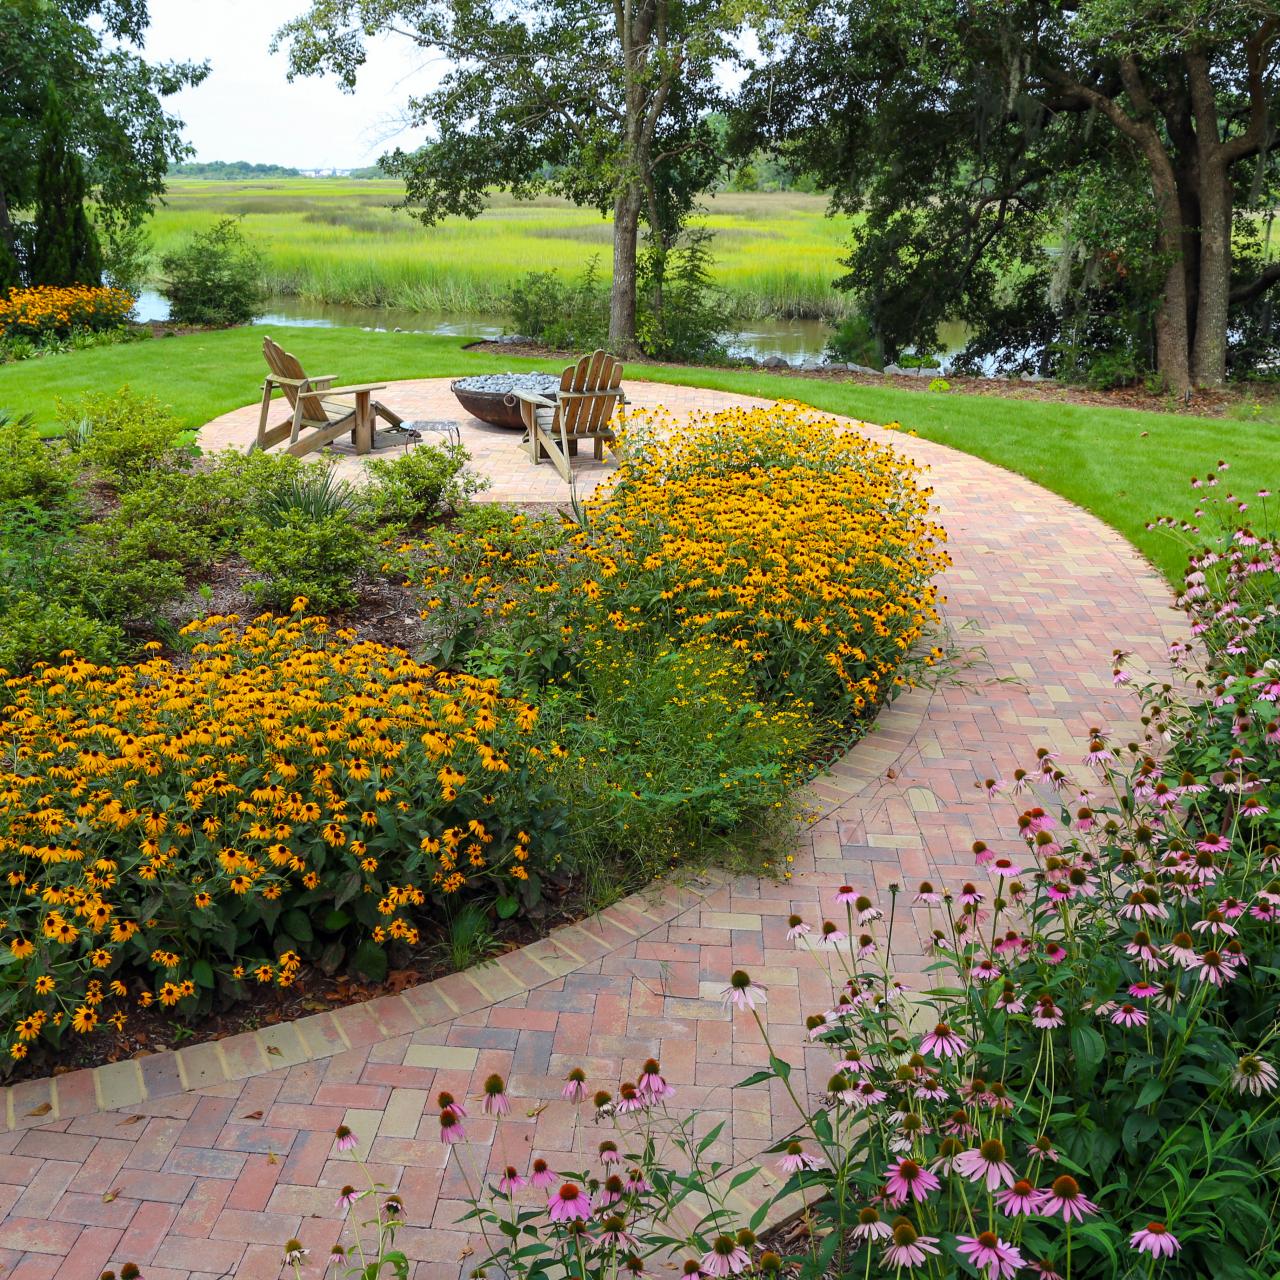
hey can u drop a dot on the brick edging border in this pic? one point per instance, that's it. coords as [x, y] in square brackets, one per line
[114, 1085]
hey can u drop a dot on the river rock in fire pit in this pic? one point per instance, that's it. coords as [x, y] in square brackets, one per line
[490, 397]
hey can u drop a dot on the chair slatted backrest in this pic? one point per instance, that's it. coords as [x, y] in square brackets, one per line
[285, 365]
[582, 407]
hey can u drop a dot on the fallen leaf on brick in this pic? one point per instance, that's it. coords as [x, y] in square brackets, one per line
[536, 1111]
[274, 1051]
[109, 1196]
[42, 1110]
[253, 1115]
[466, 1253]
[272, 1158]
[131, 1120]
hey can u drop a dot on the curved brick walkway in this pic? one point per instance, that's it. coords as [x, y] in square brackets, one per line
[201, 1163]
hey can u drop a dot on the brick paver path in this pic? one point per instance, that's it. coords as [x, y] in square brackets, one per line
[201, 1163]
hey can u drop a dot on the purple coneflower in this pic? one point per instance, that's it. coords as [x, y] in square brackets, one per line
[1212, 966]
[1021, 1198]
[927, 895]
[832, 935]
[949, 1149]
[1043, 1267]
[637, 1184]
[575, 1086]
[1144, 990]
[867, 911]
[294, 1252]
[796, 929]
[726, 1257]
[846, 895]
[1055, 953]
[1181, 949]
[609, 1152]
[540, 1175]
[1156, 1239]
[741, 992]
[907, 1180]
[1042, 1149]
[909, 1248]
[346, 1140]
[610, 1193]
[631, 1099]
[494, 1100]
[1005, 868]
[1254, 1075]
[867, 1094]
[347, 1197]
[986, 970]
[797, 1158]
[1129, 1016]
[870, 1227]
[942, 1042]
[1047, 1015]
[990, 1254]
[969, 895]
[451, 1129]
[987, 1164]
[651, 1082]
[511, 1181]
[447, 1102]
[571, 1201]
[1065, 1197]
[615, 1234]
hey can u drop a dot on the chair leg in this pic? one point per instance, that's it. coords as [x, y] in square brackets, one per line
[260, 442]
[559, 460]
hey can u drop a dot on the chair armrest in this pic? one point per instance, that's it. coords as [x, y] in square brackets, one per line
[363, 386]
[532, 397]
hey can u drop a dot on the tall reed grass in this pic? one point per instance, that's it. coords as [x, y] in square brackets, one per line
[337, 241]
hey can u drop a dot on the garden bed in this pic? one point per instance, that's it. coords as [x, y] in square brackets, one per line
[294, 802]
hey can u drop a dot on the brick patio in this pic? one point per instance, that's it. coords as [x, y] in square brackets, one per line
[200, 1164]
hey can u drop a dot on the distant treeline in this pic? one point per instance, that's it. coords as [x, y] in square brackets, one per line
[238, 170]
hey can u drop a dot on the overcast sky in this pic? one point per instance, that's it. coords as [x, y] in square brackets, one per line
[247, 110]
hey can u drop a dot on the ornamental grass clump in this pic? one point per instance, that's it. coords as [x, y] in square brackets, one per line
[291, 795]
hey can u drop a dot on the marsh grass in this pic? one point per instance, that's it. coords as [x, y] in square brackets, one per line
[335, 240]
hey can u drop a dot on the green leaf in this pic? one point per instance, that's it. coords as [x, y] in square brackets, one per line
[299, 925]
[758, 1077]
[507, 907]
[1089, 1048]
[370, 961]
[335, 921]
[781, 1068]
[711, 1137]
[202, 972]
[1153, 1089]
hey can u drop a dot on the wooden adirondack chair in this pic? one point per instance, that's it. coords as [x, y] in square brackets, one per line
[321, 412]
[589, 393]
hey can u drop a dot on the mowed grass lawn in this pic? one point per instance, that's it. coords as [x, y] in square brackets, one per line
[337, 240]
[1125, 466]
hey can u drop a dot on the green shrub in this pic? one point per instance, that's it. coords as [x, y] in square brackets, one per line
[565, 314]
[35, 629]
[123, 435]
[313, 491]
[854, 342]
[33, 468]
[690, 323]
[320, 559]
[215, 278]
[420, 485]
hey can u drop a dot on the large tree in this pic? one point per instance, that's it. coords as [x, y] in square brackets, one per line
[114, 125]
[601, 101]
[970, 133]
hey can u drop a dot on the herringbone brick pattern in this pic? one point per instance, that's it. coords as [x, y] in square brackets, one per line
[200, 1164]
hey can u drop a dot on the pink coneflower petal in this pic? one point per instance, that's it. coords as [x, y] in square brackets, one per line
[907, 1180]
[909, 1249]
[846, 895]
[742, 993]
[451, 1129]
[575, 1087]
[1156, 1239]
[986, 1164]
[943, 1042]
[1254, 1075]
[726, 1257]
[571, 1201]
[1065, 1198]
[540, 1175]
[796, 1158]
[1020, 1199]
[992, 1256]
[494, 1100]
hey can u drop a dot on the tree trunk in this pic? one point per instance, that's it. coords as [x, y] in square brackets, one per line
[1209, 350]
[9, 275]
[622, 300]
[1172, 349]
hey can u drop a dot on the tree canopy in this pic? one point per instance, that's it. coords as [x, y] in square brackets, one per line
[604, 103]
[1063, 177]
[111, 111]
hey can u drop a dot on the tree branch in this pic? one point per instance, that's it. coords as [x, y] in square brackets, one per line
[1245, 293]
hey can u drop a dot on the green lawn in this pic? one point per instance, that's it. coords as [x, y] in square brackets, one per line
[1123, 465]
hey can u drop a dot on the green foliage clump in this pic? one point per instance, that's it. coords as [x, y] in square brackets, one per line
[36, 629]
[42, 472]
[215, 278]
[564, 314]
[682, 312]
[319, 558]
[419, 485]
[122, 436]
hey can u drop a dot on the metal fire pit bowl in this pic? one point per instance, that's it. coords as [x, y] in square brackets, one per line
[490, 397]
